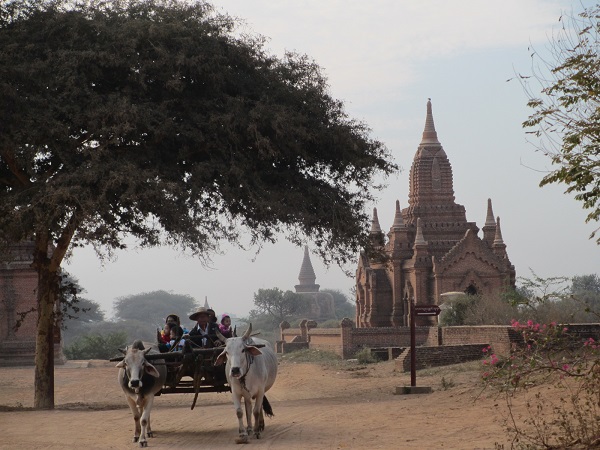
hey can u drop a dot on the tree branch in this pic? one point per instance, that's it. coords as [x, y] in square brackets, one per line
[11, 162]
[62, 245]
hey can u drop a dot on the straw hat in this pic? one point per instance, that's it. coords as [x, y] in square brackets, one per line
[201, 310]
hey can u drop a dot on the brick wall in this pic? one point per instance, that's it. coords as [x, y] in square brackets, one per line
[17, 295]
[329, 339]
[387, 337]
[290, 333]
[347, 339]
[18, 286]
[502, 338]
[439, 356]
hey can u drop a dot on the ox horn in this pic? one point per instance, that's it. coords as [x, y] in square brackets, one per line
[220, 336]
[235, 331]
[246, 335]
[124, 351]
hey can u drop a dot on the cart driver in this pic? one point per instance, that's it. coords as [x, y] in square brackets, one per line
[204, 333]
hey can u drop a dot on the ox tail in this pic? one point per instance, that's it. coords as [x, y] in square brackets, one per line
[267, 407]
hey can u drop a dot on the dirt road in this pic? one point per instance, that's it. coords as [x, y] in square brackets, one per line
[347, 406]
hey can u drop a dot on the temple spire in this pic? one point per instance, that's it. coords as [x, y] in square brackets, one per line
[375, 228]
[419, 239]
[498, 238]
[307, 273]
[429, 133]
[489, 220]
[398, 221]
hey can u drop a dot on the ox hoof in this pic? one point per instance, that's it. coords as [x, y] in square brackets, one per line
[135, 439]
[143, 444]
[242, 440]
[150, 434]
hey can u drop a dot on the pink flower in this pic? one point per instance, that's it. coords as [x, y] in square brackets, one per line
[565, 367]
[530, 323]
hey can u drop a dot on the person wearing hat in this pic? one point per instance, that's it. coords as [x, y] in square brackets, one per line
[204, 332]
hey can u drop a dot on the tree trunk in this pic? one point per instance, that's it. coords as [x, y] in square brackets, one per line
[47, 264]
[44, 346]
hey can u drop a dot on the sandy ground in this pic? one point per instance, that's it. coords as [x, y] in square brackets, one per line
[347, 406]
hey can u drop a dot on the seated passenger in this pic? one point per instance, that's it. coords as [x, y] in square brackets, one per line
[204, 333]
[213, 315]
[175, 318]
[164, 336]
[225, 326]
[176, 338]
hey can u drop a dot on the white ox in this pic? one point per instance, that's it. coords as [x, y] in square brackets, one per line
[250, 372]
[140, 380]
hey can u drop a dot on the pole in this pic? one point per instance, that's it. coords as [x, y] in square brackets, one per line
[413, 356]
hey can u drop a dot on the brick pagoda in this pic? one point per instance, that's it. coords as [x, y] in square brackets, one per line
[431, 248]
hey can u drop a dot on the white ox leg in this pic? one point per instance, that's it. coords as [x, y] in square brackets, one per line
[145, 420]
[237, 404]
[136, 417]
[259, 421]
[248, 406]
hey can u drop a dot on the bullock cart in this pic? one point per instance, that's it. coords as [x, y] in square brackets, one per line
[191, 370]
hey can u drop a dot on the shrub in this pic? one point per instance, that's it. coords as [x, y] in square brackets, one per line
[364, 356]
[550, 355]
[96, 346]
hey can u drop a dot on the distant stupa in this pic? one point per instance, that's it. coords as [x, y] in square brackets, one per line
[321, 304]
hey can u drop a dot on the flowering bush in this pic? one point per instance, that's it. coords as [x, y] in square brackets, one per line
[549, 355]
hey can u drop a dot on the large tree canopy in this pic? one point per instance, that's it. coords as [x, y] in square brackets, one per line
[154, 119]
[154, 307]
[567, 113]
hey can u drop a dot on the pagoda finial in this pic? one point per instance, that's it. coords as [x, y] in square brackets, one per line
[419, 239]
[398, 221]
[307, 273]
[429, 133]
[498, 238]
[206, 302]
[489, 219]
[375, 228]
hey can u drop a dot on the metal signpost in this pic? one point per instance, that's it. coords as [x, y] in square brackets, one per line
[418, 310]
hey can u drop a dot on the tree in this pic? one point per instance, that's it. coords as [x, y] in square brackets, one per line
[155, 119]
[154, 307]
[278, 305]
[343, 306]
[78, 316]
[586, 285]
[567, 115]
[585, 289]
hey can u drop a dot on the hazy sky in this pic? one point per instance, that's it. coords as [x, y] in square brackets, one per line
[384, 59]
